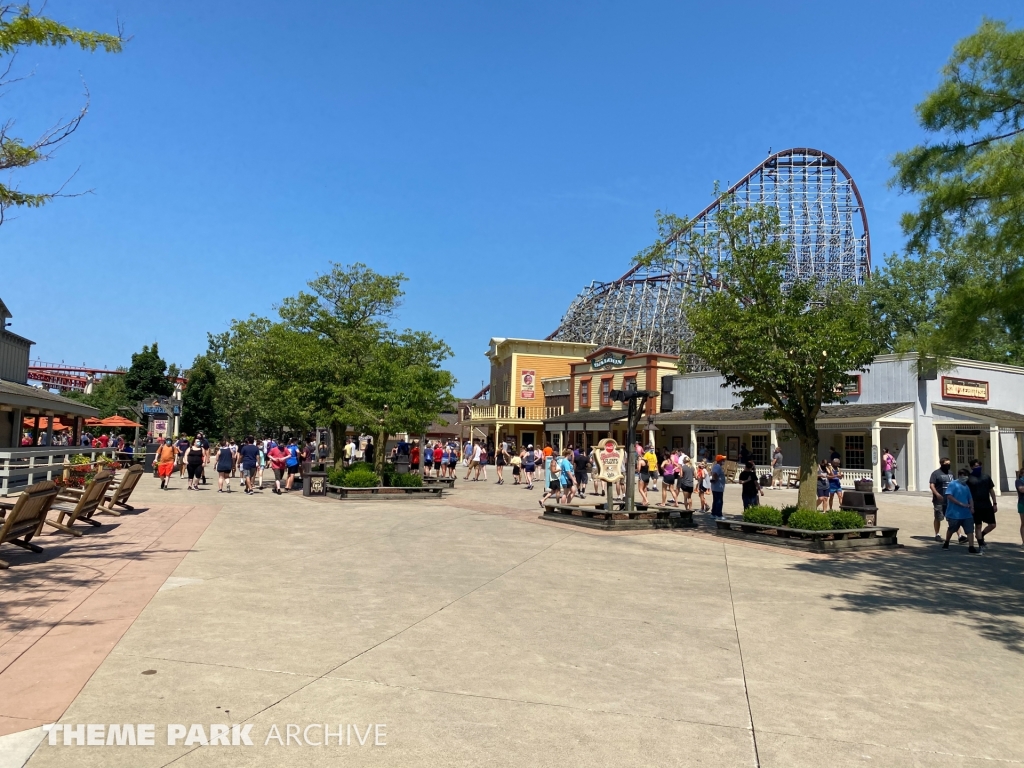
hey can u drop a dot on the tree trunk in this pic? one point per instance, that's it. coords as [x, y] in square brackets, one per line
[378, 453]
[338, 438]
[807, 498]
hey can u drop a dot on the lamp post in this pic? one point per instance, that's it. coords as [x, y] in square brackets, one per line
[633, 413]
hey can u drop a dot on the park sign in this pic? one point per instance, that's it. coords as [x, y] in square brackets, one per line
[608, 360]
[159, 406]
[609, 461]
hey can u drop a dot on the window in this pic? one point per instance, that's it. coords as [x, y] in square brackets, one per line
[709, 444]
[854, 451]
[759, 449]
[584, 393]
[606, 391]
[965, 452]
[629, 382]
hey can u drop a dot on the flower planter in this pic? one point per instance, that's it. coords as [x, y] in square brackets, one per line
[813, 541]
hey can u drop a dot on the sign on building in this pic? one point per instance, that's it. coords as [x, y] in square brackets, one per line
[528, 385]
[964, 389]
[609, 360]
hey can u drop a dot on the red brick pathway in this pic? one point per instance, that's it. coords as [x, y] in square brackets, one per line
[63, 611]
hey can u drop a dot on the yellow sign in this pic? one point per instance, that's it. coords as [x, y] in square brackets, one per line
[608, 456]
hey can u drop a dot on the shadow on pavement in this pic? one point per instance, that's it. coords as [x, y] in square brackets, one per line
[986, 591]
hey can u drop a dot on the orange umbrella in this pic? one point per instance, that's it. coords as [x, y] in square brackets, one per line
[29, 422]
[91, 422]
[116, 421]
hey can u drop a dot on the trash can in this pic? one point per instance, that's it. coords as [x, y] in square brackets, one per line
[150, 458]
[863, 486]
[314, 484]
[863, 504]
[402, 464]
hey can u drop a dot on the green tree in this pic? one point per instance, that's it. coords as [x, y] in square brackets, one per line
[147, 375]
[20, 27]
[199, 399]
[919, 303]
[786, 346]
[402, 388]
[341, 320]
[969, 181]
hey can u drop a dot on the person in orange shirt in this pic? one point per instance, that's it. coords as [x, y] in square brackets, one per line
[547, 450]
[165, 456]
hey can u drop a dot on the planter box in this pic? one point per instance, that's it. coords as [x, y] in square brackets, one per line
[391, 494]
[619, 519]
[813, 541]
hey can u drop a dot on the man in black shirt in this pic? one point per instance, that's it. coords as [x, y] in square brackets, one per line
[983, 492]
[751, 488]
[581, 462]
[940, 478]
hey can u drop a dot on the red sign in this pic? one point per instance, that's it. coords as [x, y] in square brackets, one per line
[528, 385]
[964, 389]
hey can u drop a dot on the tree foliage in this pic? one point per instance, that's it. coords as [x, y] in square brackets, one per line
[787, 346]
[147, 376]
[969, 181]
[20, 27]
[332, 359]
[199, 400]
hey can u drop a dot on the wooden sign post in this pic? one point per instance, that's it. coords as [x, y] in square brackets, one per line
[609, 461]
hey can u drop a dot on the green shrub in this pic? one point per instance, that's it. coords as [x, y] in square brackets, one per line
[841, 520]
[809, 520]
[762, 515]
[787, 511]
[406, 481]
[361, 476]
[336, 476]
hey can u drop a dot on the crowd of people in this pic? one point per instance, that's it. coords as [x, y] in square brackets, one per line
[968, 504]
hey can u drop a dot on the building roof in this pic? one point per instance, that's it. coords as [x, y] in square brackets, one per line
[999, 415]
[24, 396]
[860, 411]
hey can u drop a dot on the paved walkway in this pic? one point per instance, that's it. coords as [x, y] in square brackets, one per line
[476, 634]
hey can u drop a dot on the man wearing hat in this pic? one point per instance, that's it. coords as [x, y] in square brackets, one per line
[718, 487]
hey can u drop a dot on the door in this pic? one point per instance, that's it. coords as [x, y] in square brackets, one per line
[966, 450]
[527, 438]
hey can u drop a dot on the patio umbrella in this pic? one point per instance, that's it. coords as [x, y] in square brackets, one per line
[58, 426]
[117, 421]
[91, 422]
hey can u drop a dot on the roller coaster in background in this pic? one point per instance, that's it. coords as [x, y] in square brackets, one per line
[823, 215]
[71, 378]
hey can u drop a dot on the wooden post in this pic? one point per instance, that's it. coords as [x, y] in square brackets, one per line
[876, 456]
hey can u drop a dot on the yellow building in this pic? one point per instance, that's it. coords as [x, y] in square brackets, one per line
[522, 372]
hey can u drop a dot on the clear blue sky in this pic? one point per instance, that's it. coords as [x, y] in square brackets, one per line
[502, 155]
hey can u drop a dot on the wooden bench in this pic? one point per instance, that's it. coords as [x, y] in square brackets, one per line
[445, 481]
[379, 492]
[815, 541]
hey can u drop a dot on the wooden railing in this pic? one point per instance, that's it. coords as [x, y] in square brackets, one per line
[515, 412]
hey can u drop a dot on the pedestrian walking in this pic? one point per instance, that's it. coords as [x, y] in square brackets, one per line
[225, 464]
[481, 462]
[960, 512]
[581, 466]
[249, 458]
[278, 464]
[983, 492]
[822, 490]
[751, 489]
[291, 464]
[165, 456]
[777, 467]
[500, 461]
[888, 468]
[685, 480]
[937, 484]
[552, 481]
[718, 487]
[703, 483]
[835, 483]
[566, 476]
[668, 480]
[192, 460]
[529, 465]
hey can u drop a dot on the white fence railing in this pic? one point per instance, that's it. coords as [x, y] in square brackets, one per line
[850, 476]
[515, 412]
[21, 467]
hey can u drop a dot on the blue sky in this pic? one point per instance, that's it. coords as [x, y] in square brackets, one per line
[501, 155]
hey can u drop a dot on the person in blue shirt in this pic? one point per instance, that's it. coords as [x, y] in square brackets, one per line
[567, 477]
[718, 487]
[291, 463]
[960, 511]
[552, 482]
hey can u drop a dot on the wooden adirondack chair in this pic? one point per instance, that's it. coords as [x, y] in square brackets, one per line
[116, 495]
[87, 504]
[24, 518]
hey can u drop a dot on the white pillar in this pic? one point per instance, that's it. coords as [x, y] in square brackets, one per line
[876, 457]
[997, 472]
[774, 439]
[911, 459]
[693, 442]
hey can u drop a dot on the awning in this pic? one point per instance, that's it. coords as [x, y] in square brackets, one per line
[23, 396]
[739, 417]
[584, 421]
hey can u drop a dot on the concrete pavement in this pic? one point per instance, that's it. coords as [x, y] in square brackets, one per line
[475, 634]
